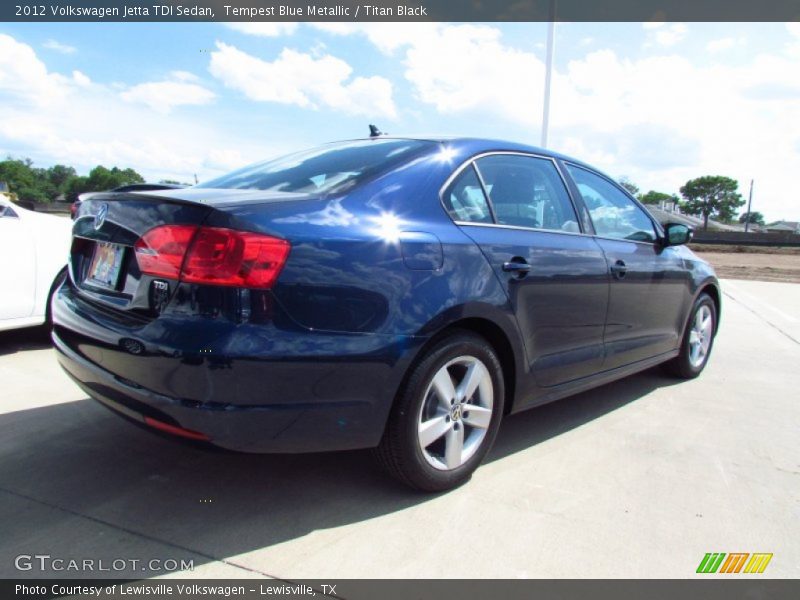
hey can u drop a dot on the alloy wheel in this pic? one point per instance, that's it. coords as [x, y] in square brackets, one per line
[455, 413]
[700, 336]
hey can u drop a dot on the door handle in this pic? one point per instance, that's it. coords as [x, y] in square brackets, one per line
[618, 269]
[518, 266]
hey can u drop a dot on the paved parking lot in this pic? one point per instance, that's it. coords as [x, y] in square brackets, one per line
[639, 478]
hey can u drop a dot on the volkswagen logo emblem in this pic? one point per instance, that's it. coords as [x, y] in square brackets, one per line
[100, 217]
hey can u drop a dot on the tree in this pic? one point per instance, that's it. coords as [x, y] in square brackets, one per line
[755, 218]
[632, 188]
[100, 179]
[712, 195]
[33, 184]
[654, 197]
[24, 181]
[59, 175]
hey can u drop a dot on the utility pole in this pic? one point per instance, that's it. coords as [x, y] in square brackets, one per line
[548, 72]
[749, 204]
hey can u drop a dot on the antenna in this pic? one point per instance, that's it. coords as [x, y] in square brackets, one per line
[374, 131]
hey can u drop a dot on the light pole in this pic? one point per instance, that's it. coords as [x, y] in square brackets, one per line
[749, 204]
[548, 72]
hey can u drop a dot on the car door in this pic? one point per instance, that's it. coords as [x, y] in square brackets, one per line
[17, 265]
[517, 209]
[648, 281]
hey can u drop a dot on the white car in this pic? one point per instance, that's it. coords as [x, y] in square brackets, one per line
[34, 248]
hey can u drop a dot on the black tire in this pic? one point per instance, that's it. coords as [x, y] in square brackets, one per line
[682, 366]
[400, 452]
[48, 316]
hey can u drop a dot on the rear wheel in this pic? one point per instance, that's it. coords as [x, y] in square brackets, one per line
[697, 342]
[447, 415]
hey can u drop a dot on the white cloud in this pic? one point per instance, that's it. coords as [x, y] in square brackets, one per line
[52, 44]
[665, 35]
[184, 76]
[23, 77]
[466, 67]
[163, 96]
[303, 80]
[225, 159]
[81, 79]
[263, 29]
[653, 24]
[53, 118]
[725, 43]
[386, 37]
[793, 48]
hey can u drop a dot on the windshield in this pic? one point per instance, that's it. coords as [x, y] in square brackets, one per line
[333, 167]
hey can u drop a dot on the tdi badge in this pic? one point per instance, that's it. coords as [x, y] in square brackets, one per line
[159, 295]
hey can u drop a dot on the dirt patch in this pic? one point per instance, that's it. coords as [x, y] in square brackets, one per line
[752, 262]
[735, 249]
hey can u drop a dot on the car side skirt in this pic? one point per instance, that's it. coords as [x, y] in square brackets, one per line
[586, 383]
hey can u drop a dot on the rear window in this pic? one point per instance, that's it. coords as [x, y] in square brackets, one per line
[334, 167]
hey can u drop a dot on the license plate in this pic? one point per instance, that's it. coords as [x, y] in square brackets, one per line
[106, 265]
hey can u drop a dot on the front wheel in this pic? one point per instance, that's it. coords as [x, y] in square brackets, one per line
[698, 340]
[446, 416]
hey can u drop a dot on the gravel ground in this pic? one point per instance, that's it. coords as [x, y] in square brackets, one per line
[753, 263]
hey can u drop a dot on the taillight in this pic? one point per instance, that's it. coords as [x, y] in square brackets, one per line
[161, 250]
[212, 255]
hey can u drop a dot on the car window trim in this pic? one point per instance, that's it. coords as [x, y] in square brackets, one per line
[659, 231]
[472, 160]
[522, 228]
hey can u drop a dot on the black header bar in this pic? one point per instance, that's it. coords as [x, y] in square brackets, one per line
[399, 10]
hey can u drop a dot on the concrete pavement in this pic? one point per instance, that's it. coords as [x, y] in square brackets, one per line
[639, 478]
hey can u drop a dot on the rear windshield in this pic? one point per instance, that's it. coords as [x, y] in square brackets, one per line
[334, 167]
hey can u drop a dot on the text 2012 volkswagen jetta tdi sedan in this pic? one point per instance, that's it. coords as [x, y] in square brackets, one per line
[399, 294]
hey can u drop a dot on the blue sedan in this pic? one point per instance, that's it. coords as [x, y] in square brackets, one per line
[400, 294]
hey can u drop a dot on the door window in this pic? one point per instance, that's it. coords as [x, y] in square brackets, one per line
[526, 191]
[614, 214]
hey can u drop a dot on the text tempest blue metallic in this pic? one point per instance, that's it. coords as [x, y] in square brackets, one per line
[389, 293]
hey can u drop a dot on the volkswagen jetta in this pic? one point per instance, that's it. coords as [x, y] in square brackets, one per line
[389, 293]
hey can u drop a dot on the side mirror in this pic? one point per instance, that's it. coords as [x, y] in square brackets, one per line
[677, 234]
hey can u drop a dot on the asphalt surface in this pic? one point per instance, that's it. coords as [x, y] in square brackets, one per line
[639, 478]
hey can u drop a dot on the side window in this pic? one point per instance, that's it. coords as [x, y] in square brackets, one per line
[614, 214]
[464, 199]
[526, 191]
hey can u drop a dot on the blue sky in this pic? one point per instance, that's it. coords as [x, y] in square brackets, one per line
[658, 103]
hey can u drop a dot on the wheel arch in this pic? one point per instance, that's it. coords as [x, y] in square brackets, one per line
[494, 334]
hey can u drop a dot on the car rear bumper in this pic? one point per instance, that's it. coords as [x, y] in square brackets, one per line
[332, 395]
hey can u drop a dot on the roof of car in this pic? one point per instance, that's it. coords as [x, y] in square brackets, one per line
[475, 145]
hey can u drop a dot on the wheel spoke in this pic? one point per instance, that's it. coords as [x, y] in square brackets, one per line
[475, 374]
[693, 353]
[707, 325]
[443, 386]
[477, 416]
[453, 446]
[432, 429]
